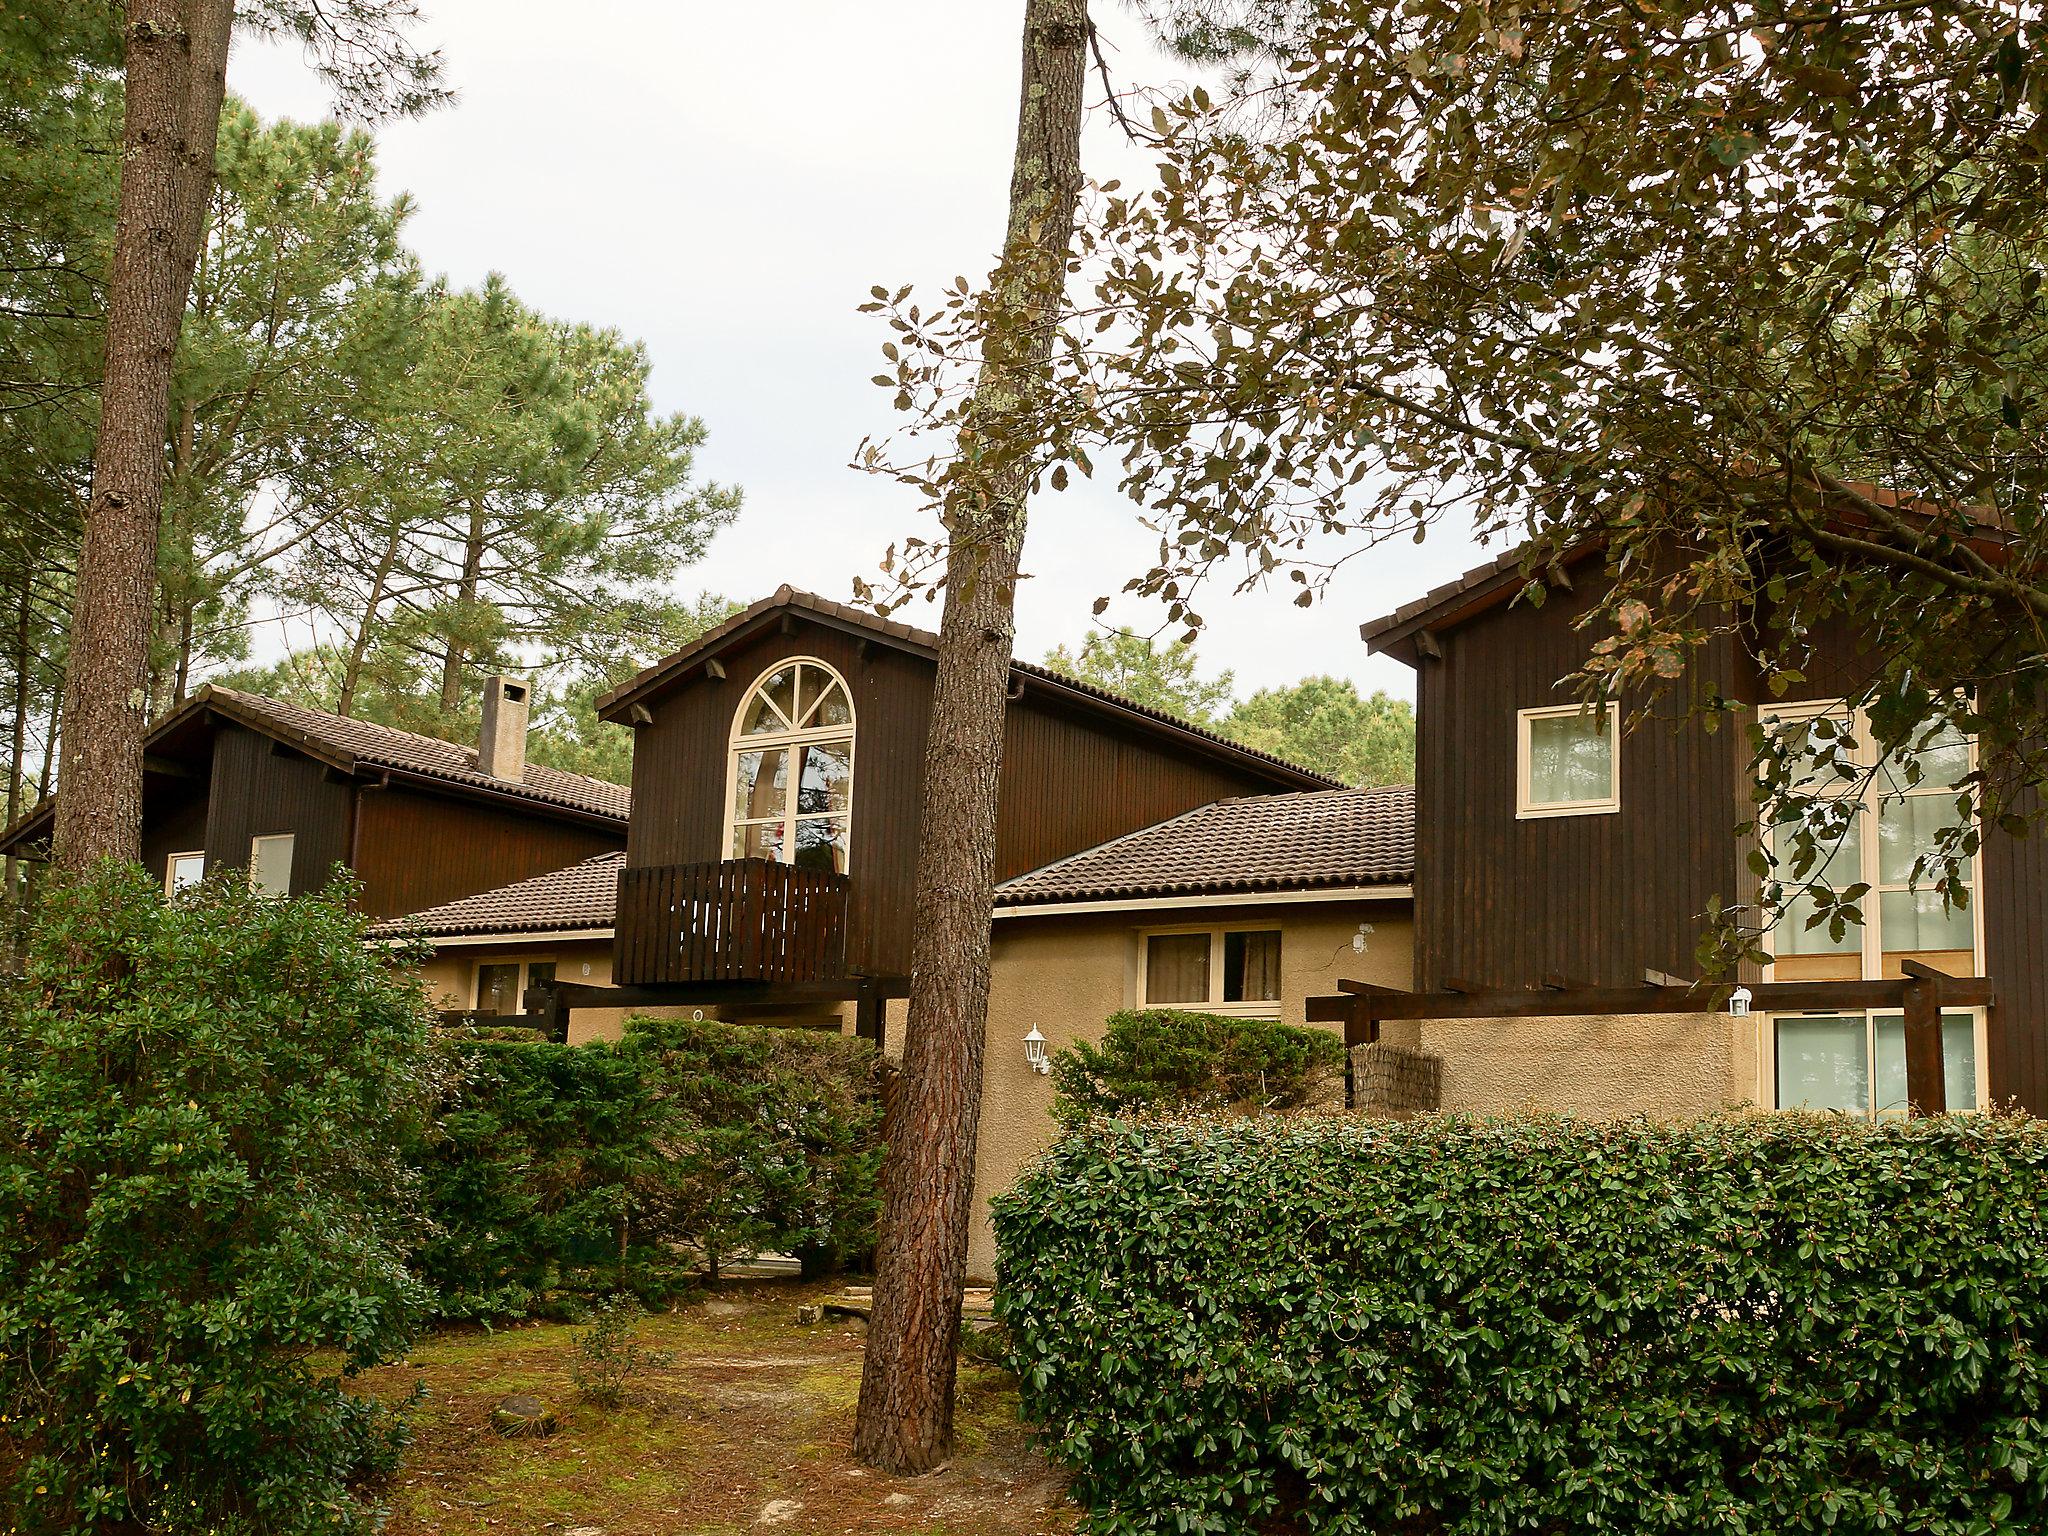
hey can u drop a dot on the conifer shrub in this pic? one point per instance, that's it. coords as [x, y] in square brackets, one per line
[207, 1111]
[1167, 1059]
[569, 1171]
[1770, 1323]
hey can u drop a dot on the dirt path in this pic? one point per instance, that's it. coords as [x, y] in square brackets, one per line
[745, 1430]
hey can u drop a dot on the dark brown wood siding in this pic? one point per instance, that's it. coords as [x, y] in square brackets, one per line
[1503, 901]
[415, 849]
[173, 819]
[1072, 777]
[257, 791]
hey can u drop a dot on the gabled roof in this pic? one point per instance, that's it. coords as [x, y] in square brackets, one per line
[1497, 581]
[581, 898]
[1326, 840]
[615, 705]
[357, 746]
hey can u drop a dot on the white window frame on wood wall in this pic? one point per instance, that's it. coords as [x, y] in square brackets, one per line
[1527, 809]
[1269, 1008]
[790, 741]
[292, 851]
[171, 862]
[1871, 929]
[1767, 1048]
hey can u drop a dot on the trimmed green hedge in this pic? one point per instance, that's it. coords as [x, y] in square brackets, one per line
[1763, 1324]
[1169, 1059]
[589, 1168]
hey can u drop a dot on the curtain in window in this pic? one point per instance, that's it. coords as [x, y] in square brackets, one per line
[1251, 967]
[497, 989]
[1177, 968]
[1571, 759]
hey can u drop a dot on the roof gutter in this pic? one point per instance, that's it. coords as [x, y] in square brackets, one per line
[1211, 899]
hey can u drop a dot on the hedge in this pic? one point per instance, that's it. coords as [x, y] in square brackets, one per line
[1762, 1324]
[1168, 1059]
[567, 1170]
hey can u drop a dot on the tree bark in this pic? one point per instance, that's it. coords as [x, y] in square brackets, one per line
[359, 647]
[472, 578]
[17, 767]
[175, 74]
[905, 1418]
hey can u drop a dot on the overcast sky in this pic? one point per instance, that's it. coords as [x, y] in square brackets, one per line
[725, 183]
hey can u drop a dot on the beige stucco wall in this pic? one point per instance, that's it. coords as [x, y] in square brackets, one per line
[1662, 1065]
[1066, 975]
[450, 978]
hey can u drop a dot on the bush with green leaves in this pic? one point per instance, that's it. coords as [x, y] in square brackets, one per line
[207, 1107]
[609, 1354]
[1165, 1059]
[590, 1168]
[1764, 1324]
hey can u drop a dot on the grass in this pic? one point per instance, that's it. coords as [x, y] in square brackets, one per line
[750, 1418]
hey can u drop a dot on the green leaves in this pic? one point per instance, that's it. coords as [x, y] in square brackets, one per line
[1764, 1323]
[1173, 1059]
[206, 1199]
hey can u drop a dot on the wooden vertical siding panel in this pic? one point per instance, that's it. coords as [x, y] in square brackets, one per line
[256, 792]
[1071, 778]
[416, 848]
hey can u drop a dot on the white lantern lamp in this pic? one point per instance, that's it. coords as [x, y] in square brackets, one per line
[1034, 1052]
[1739, 1001]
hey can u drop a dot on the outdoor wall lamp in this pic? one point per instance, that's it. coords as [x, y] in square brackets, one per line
[1034, 1052]
[1738, 1002]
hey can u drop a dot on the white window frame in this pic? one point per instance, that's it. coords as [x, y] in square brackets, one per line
[1871, 929]
[274, 837]
[1270, 1008]
[1527, 809]
[739, 742]
[171, 861]
[522, 964]
[1767, 1047]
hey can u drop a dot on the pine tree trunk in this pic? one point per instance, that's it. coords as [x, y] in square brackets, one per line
[17, 753]
[905, 1419]
[472, 576]
[175, 73]
[359, 647]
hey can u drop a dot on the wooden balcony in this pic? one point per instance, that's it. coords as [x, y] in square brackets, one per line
[739, 920]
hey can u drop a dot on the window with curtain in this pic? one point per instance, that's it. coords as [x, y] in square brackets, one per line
[792, 768]
[1855, 1063]
[1229, 968]
[497, 987]
[270, 864]
[1569, 760]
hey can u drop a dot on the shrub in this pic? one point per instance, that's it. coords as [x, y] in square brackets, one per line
[608, 1355]
[597, 1167]
[1765, 1324]
[1163, 1059]
[205, 1197]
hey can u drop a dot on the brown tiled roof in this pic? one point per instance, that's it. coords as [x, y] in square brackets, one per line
[582, 896]
[923, 641]
[383, 746]
[350, 744]
[1308, 841]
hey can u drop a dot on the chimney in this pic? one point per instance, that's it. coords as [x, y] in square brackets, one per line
[502, 751]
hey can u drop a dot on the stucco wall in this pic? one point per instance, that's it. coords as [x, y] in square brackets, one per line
[450, 978]
[1066, 975]
[1662, 1065]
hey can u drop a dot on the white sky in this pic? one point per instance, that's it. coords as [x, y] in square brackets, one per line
[725, 183]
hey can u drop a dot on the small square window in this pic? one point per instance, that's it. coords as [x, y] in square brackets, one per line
[1568, 761]
[270, 865]
[1234, 970]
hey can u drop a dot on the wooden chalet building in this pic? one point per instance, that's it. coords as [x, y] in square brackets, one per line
[232, 780]
[1564, 865]
[778, 780]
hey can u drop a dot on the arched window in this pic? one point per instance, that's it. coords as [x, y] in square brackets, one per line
[792, 767]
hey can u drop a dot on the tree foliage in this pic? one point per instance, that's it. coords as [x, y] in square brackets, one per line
[1794, 1324]
[1744, 295]
[1325, 724]
[206, 1202]
[1163, 677]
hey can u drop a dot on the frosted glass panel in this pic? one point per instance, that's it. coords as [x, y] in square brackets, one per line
[1836, 868]
[186, 871]
[1571, 759]
[1823, 1063]
[1958, 1062]
[1916, 921]
[1177, 968]
[1907, 827]
[1818, 751]
[270, 865]
[1944, 762]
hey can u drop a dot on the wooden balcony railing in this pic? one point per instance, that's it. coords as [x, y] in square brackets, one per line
[739, 920]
